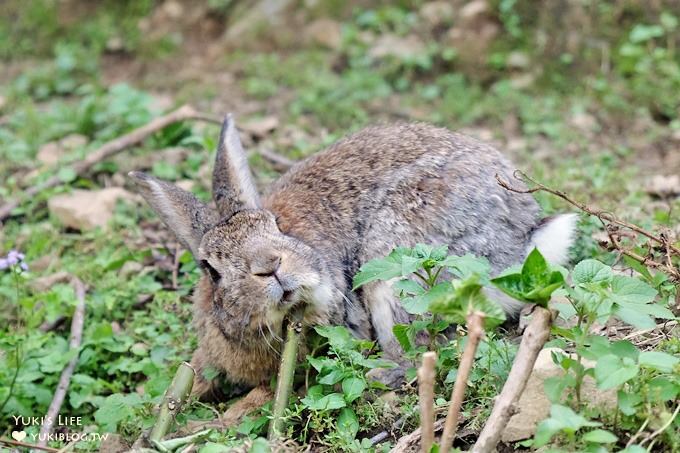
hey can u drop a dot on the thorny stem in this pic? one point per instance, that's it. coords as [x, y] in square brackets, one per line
[475, 327]
[174, 397]
[608, 220]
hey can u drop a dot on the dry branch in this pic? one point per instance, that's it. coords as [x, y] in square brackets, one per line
[533, 339]
[426, 375]
[65, 378]
[279, 162]
[111, 148]
[475, 325]
[612, 226]
[27, 445]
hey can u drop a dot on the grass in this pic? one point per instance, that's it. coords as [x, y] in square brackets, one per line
[578, 127]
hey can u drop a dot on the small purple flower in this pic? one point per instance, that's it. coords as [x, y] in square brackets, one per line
[13, 258]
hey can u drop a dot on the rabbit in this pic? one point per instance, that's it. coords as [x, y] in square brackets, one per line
[303, 240]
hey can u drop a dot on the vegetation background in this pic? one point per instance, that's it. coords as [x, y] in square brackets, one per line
[583, 95]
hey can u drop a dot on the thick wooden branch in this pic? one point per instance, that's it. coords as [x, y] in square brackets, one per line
[475, 325]
[426, 375]
[533, 339]
[174, 398]
[284, 381]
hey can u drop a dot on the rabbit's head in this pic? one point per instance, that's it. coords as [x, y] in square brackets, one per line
[256, 273]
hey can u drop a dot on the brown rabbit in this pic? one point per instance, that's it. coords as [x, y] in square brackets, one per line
[302, 242]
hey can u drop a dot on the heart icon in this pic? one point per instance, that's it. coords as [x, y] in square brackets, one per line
[19, 435]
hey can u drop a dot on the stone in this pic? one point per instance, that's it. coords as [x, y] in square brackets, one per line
[399, 47]
[534, 405]
[52, 152]
[325, 33]
[87, 209]
[437, 13]
[260, 127]
[664, 186]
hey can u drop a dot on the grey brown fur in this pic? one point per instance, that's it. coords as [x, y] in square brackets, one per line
[303, 241]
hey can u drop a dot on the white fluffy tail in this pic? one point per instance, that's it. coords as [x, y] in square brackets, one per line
[554, 236]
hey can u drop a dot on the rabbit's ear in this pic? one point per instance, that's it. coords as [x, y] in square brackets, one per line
[233, 187]
[187, 216]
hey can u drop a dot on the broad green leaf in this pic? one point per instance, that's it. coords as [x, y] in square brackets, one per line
[628, 402]
[662, 389]
[338, 336]
[352, 388]
[466, 265]
[381, 268]
[466, 298]
[631, 290]
[634, 317]
[410, 264]
[535, 270]
[417, 305]
[612, 371]
[659, 361]
[348, 425]
[402, 333]
[260, 445]
[406, 286]
[591, 271]
[570, 419]
[600, 436]
[546, 430]
[535, 283]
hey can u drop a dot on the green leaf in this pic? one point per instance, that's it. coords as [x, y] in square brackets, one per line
[259, 445]
[466, 265]
[67, 174]
[353, 388]
[660, 361]
[402, 333]
[535, 283]
[468, 297]
[348, 424]
[628, 402]
[633, 317]
[417, 305]
[591, 271]
[631, 290]
[406, 286]
[316, 400]
[381, 268]
[600, 436]
[612, 371]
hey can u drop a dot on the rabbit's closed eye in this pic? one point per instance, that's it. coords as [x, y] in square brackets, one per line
[214, 275]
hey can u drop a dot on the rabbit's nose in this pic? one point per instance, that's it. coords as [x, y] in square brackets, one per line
[266, 265]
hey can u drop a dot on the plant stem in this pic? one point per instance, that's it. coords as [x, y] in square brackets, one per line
[426, 375]
[174, 397]
[284, 381]
[475, 332]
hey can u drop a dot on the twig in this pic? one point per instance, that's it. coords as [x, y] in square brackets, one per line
[664, 427]
[407, 442]
[27, 445]
[610, 222]
[426, 375]
[475, 327]
[111, 148]
[638, 333]
[174, 397]
[533, 339]
[279, 162]
[65, 378]
[284, 381]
